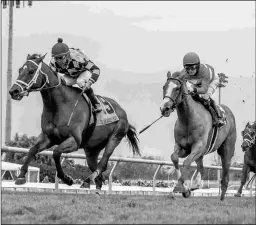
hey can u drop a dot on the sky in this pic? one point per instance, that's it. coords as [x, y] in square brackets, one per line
[141, 30]
[140, 37]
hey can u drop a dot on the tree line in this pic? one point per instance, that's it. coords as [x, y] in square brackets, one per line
[124, 170]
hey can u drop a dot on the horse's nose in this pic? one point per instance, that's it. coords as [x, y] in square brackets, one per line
[14, 92]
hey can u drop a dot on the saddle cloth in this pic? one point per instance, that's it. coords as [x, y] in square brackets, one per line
[106, 116]
[108, 113]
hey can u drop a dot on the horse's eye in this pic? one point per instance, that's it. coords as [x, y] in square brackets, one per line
[31, 71]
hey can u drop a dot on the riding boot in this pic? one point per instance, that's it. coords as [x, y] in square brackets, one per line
[95, 103]
[221, 120]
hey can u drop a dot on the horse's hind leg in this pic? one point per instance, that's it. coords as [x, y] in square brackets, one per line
[118, 134]
[42, 143]
[67, 146]
[245, 173]
[226, 152]
[92, 161]
[96, 176]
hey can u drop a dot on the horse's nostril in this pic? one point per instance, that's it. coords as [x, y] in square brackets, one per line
[14, 92]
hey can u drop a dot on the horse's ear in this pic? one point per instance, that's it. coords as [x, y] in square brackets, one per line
[169, 75]
[28, 56]
[42, 57]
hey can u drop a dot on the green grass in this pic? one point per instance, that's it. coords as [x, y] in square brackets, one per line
[49, 208]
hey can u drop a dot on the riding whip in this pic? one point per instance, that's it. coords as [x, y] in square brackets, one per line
[149, 125]
[76, 105]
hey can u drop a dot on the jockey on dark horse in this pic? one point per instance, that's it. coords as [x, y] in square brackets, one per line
[76, 68]
[204, 81]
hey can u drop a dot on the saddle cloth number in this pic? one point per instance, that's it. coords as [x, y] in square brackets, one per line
[108, 107]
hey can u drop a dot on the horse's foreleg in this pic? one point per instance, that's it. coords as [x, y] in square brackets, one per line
[195, 154]
[245, 173]
[67, 146]
[200, 171]
[178, 153]
[42, 143]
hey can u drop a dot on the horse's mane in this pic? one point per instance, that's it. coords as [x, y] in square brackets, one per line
[34, 56]
[176, 74]
[38, 56]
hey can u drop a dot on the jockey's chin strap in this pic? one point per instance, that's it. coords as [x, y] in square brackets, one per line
[25, 87]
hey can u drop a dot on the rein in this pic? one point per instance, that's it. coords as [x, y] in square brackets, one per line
[26, 86]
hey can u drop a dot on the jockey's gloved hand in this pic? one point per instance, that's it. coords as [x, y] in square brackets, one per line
[207, 96]
[190, 88]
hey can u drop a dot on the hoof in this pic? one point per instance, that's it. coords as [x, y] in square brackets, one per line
[171, 196]
[237, 195]
[177, 189]
[68, 180]
[85, 185]
[98, 193]
[186, 194]
[20, 181]
[194, 188]
[222, 197]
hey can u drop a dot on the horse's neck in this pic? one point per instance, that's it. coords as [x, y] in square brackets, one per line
[54, 98]
[253, 151]
[186, 110]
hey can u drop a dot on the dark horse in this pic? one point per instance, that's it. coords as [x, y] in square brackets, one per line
[248, 146]
[192, 129]
[58, 103]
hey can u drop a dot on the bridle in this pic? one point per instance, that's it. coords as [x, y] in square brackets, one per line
[25, 87]
[181, 92]
[251, 139]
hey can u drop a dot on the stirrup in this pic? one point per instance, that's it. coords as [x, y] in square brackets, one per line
[221, 122]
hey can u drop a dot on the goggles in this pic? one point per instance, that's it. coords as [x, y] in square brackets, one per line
[190, 67]
[59, 58]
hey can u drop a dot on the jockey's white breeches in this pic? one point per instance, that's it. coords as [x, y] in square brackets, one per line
[211, 88]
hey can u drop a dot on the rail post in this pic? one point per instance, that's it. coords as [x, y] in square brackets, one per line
[192, 178]
[251, 180]
[154, 179]
[110, 178]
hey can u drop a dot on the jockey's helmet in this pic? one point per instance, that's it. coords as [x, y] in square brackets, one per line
[60, 52]
[191, 63]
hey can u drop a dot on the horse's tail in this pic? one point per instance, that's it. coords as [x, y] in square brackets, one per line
[133, 140]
